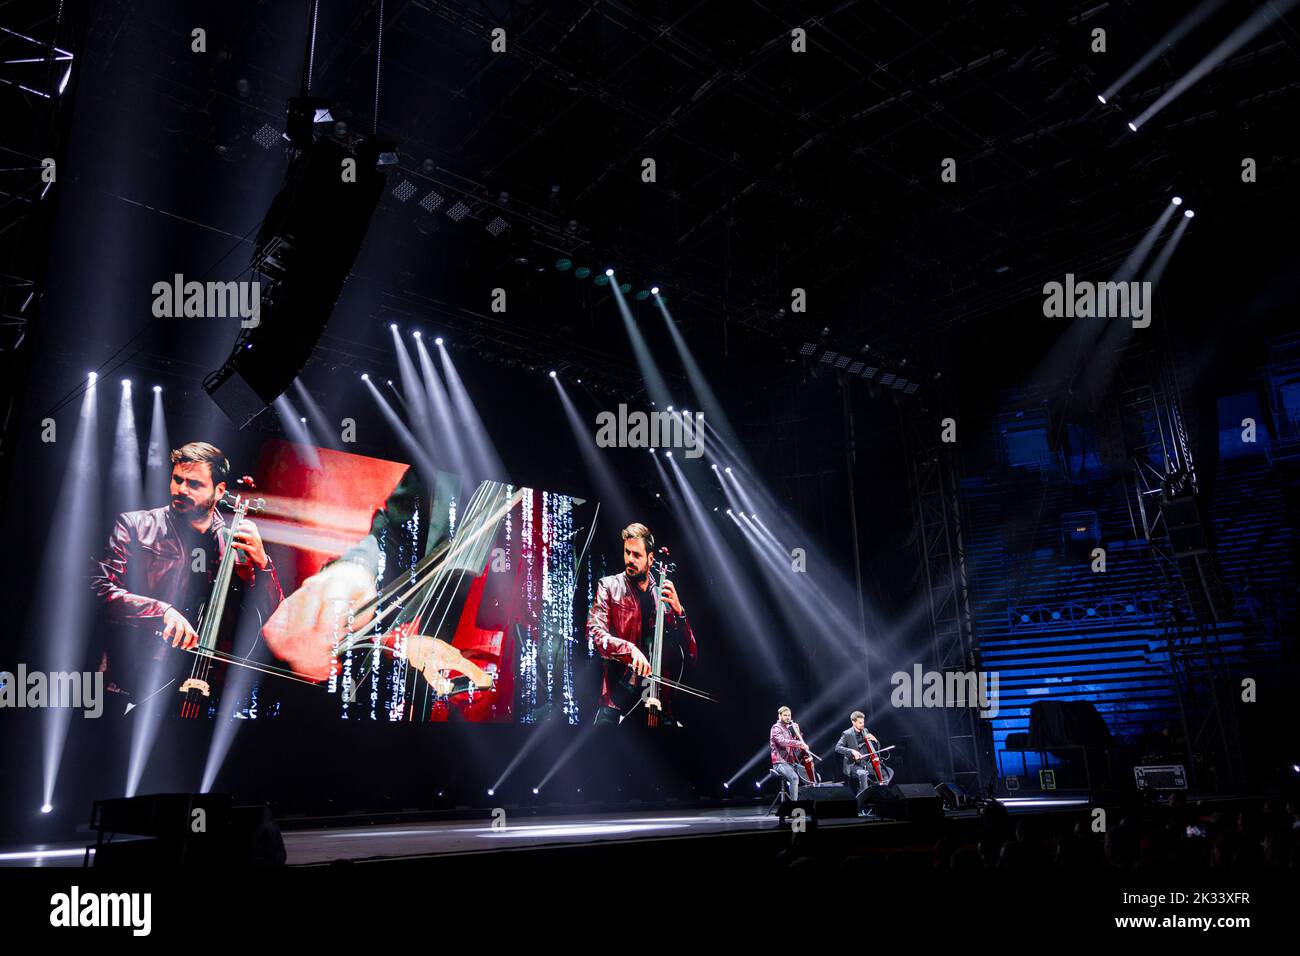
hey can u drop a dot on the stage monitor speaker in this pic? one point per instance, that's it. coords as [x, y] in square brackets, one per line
[915, 802]
[953, 796]
[304, 251]
[826, 801]
[182, 829]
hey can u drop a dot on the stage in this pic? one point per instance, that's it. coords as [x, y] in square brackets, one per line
[476, 833]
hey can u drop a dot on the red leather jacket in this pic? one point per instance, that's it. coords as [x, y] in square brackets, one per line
[144, 572]
[614, 626]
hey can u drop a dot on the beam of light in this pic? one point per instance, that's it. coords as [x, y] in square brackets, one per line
[576, 744]
[418, 458]
[146, 718]
[1157, 270]
[530, 744]
[1175, 33]
[1254, 25]
[237, 690]
[65, 600]
[443, 424]
[321, 436]
[158, 463]
[805, 610]
[650, 374]
[720, 556]
[126, 487]
[705, 398]
[830, 589]
[607, 485]
[291, 421]
[725, 476]
[1128, 270]
[481, 450]
[1118, 332]
[417, 398]
[1084, 346]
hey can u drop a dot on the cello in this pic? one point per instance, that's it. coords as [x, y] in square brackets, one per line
[808, 755]
[882, 773]
[197, 686]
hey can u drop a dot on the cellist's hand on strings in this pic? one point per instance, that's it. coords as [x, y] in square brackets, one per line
[435, 659]
[177, 630]
[303, 629]
[249, 540]
[669, 593]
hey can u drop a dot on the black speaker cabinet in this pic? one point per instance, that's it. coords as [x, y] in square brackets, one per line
[915, 802]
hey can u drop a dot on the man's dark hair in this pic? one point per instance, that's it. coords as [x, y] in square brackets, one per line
[201, 451]
[642, 532]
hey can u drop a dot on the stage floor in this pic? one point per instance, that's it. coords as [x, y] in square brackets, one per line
[475, 832]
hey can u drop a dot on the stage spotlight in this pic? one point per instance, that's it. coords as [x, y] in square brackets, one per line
[126, 383]
[365, 376]
[1189, 214]
[92, 377]
[726, 786]
[652, 451]
[754, 517]
[715, 466]
[564, 265]
[416, 333]
[390, 381]
[1177, 200]
[728, 470]
[47, 808]
[393, 326]
[552, 373]
[609, 272]
[303, 420]
[581, 272]
[1101, 99]
[670, 454]
[438, 341]
[654, 290]
[1132, 127]
[491, 792]
[157, 388]
[715, 507]
[536, 791]
[670, 408]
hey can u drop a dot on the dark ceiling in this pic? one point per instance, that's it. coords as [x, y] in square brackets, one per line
[775, 169]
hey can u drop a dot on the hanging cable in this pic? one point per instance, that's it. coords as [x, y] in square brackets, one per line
[379, 54]
[311, 48]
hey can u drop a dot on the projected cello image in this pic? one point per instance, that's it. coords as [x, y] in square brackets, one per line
[404, 603]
